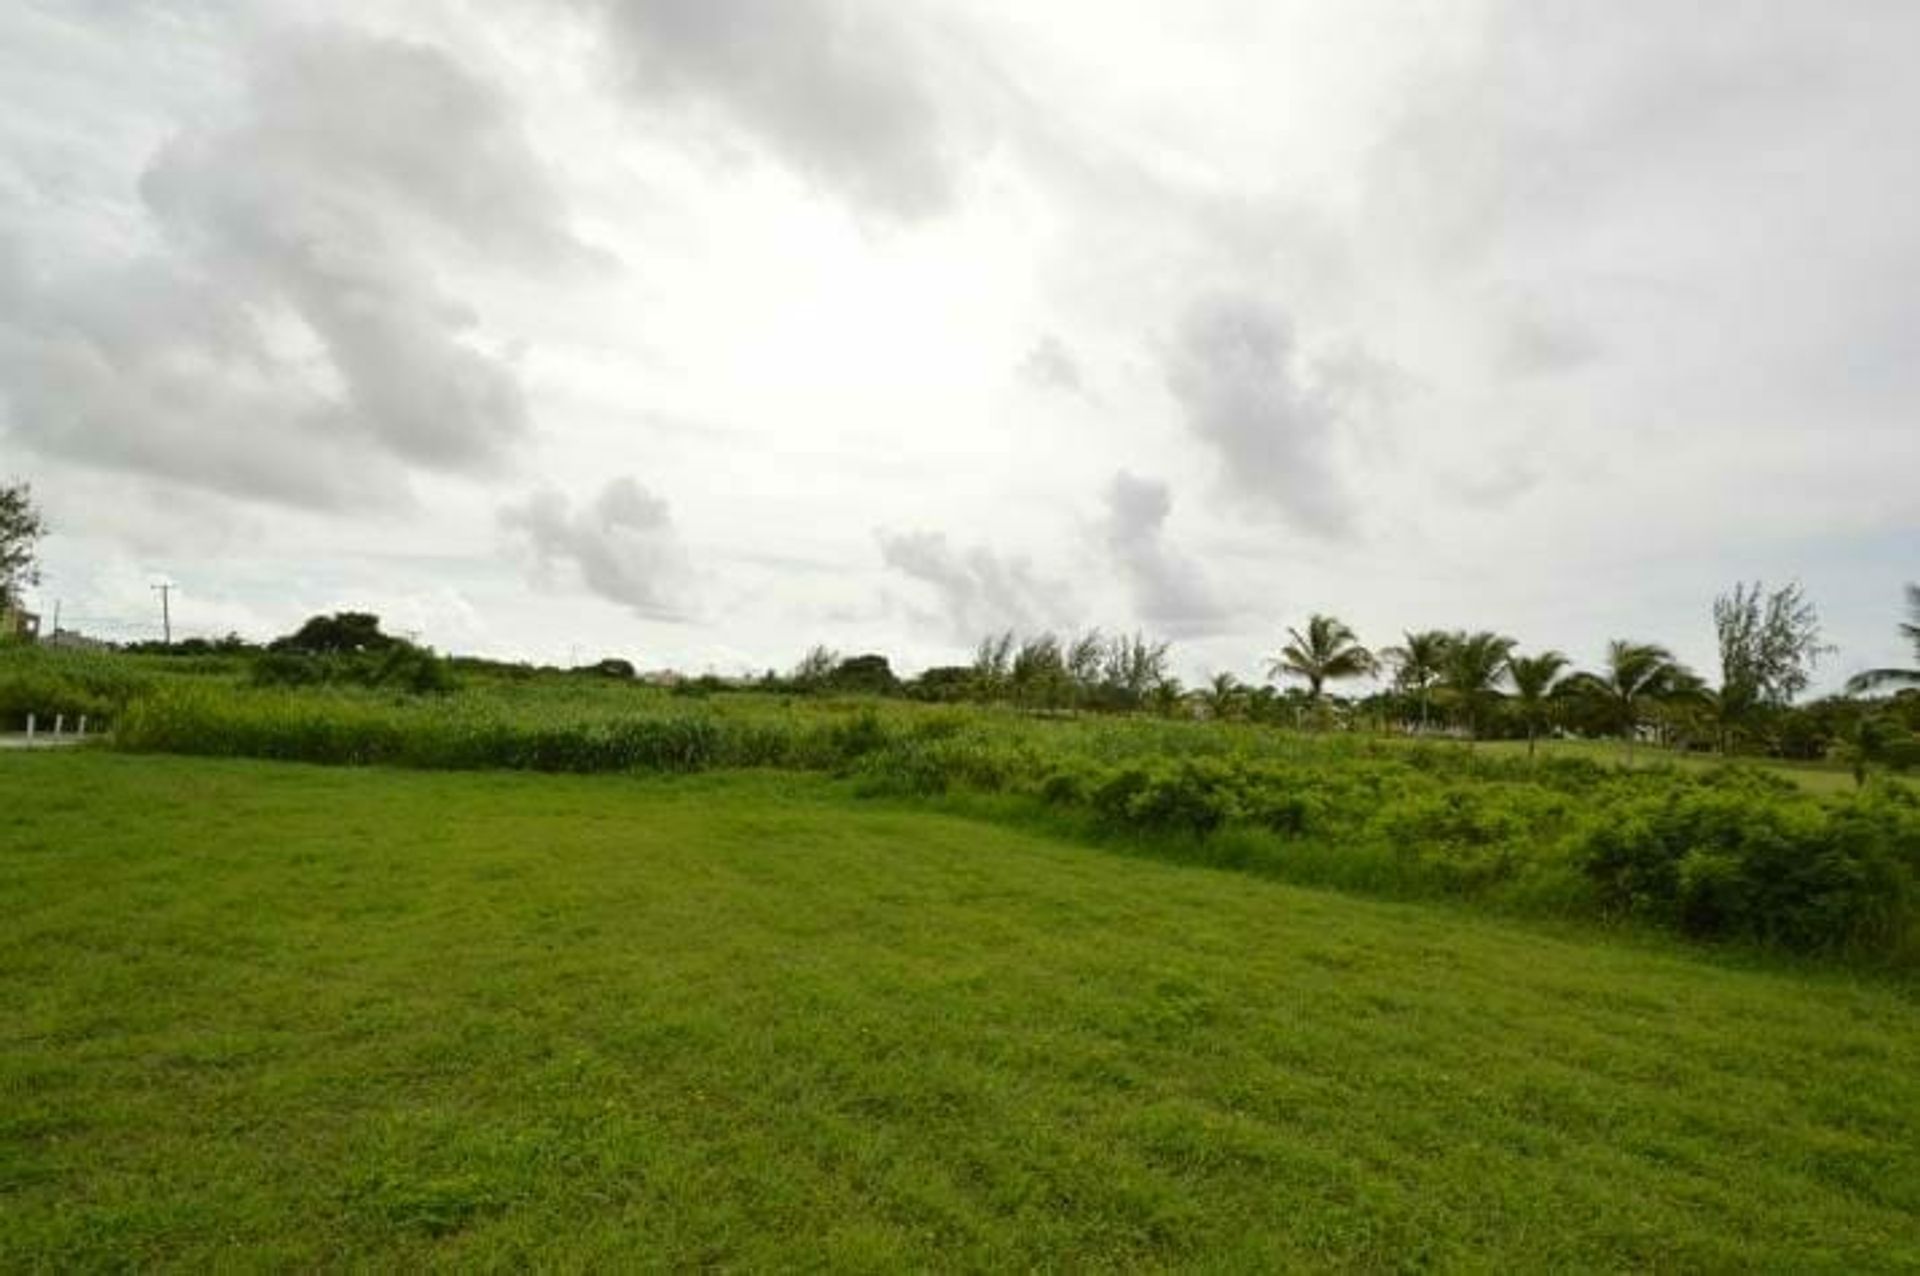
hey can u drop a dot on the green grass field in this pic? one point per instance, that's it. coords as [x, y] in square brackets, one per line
[266, 1015]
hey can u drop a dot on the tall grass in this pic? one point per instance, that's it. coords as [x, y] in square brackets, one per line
[46, 681]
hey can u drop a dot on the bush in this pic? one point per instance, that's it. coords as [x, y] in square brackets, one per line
[1777, 871]
[397, 666]
[1196, 796]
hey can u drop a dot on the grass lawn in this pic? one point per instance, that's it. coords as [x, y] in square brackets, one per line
[279, 1016]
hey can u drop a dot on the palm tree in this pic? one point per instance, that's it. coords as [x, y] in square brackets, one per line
[1417, 664]
[1223, 696]
[1168, 698]
[1328, 650]
[1535, 679]
[1636, 672]
[1873, 679]
[1472, 671]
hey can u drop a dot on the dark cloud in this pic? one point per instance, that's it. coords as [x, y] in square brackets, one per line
[837, 89]
[289, 331]
[977, 590]
[1051, 366]
[623, 545]
[1248, 393]
[1170, 592]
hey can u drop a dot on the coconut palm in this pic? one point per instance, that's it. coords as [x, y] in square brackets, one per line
[1873, 679]
[1471, 673]
[1417, 664]
[1223, 696]
[1535, 679]
[1328, 650]
[1168, 698]
[1635, 673]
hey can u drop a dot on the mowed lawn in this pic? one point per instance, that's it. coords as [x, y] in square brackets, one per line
[273, 1016]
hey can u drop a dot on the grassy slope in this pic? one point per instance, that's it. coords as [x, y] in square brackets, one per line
[335, 1016]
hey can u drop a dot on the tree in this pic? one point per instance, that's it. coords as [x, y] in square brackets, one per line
[1167, 698]
[1039, 678]
[1471, 673]
[1874, 679]
[1417, 665]
[943, 684]
[1223, 696]
[1768, 646]
[1135, 668]
[344, 633]
[1535, 679]
[815, 668]
[993, 665]
[1327, 651]
[1635, 673]
[21, 528]
[868, 674]
[1085, 657]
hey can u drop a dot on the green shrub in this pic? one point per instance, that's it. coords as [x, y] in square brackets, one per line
[395, 665]
[1195, 795]
[1776, 870]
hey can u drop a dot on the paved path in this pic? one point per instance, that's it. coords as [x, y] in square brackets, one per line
[43, 740]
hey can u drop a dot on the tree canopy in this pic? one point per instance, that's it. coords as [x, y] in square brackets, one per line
[21, 528]
[342, 633]
[1328, 650]
[1768, 644]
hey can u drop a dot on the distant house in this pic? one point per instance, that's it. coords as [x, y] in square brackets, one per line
[71, 641]
[18, 622]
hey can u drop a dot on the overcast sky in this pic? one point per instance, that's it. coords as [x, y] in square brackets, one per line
[700, 331]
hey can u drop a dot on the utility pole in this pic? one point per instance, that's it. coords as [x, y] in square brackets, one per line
[166, 616]
[56, 618]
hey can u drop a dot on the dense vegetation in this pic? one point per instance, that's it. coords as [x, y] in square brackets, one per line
[1721, 853]
[264, 1016]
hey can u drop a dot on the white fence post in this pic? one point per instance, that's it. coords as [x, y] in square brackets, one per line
[59, 724]
[82, 732]
[30, 725]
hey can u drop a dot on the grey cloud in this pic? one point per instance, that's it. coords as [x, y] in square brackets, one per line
[623, 545]
[1238, 374]
[1496, 485]
[1540, 344]
[1694, 189]
[1170, 591]
[152, 368]
[838, 89]
[1049, 365]
[978, 591]
[288, 331]
[1563, 111]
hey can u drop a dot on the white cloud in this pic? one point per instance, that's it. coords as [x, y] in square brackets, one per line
[286, 336]
[1551, 317]
[975, 590]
